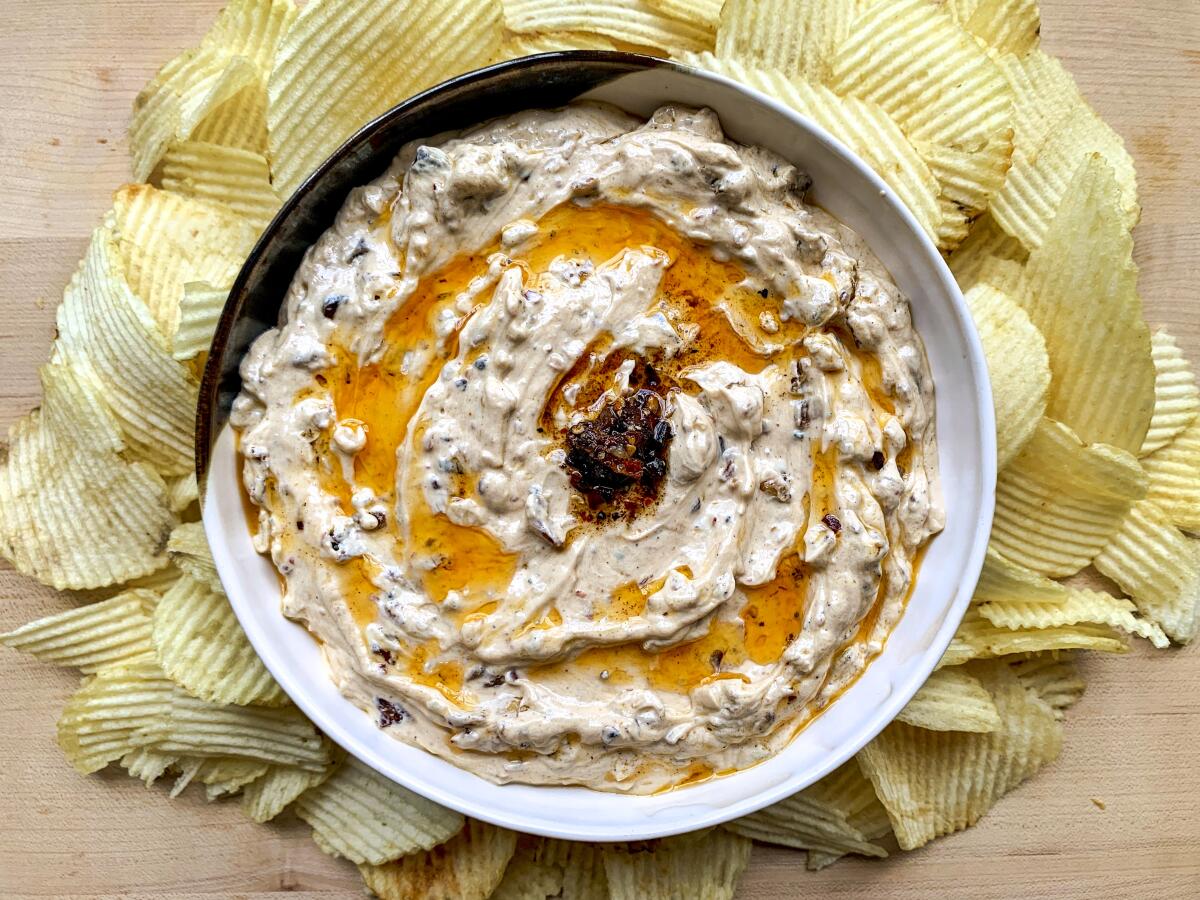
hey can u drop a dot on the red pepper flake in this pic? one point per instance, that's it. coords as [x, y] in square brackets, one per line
[831, 522]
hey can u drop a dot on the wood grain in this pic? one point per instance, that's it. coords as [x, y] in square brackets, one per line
[68, 73]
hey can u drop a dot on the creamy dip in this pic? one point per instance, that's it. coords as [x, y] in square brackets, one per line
[474, 340]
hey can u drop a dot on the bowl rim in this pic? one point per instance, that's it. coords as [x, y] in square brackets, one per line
[207, 435]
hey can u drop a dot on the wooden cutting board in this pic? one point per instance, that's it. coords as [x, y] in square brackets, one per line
[1117, 816]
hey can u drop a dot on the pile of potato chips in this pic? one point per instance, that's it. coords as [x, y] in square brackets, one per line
[984, 136]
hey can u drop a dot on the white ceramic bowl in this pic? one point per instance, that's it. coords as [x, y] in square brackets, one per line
[848, 189]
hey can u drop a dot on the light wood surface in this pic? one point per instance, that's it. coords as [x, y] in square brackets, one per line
[1117, 816]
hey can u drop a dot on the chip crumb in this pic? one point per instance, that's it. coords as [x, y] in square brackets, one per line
[1099, 804]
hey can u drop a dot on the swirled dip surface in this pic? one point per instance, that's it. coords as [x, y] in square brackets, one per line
[589, 451]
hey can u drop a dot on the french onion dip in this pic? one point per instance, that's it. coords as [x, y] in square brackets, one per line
[590, 451]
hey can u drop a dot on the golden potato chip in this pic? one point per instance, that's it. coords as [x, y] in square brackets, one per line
[937, 782]
[104, 719]
[1006, 26]
[342, 64]
[268, 796]
[239, 122]
[1017, 364]
[864, 127]
[1003, 581]
[167, 240]
[1176, 399]
[194, 727]
[701, 866]
[705, 13]
[252, 29]
[517, 45]
[201, 646]
[199, 311]
[1058, 502]
[236, 179]
[90, 637]
[1088, 253]
[1053, 677]
[889, 58]
[1159, 567]
[818, 818]
[968, 180]
[1081, 605]
[1174, 487]
[631, 21]
[952, 700]
[469, 866]
[1040, 176]
[359, 814]
[182, 492]
[220, 776]
[105, 332]
[848, 790]
[1044, 92]
[147, 765]
[185, 90]
[977, 638]
[74, 513]
[797, 39]
[582, 866]
[202, 84]
[985, 241]
[528, 878]
[188, 549]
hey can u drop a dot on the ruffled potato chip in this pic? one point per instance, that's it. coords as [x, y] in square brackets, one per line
[848, 790]
[469, 866]
[147, 765]
[888, 58]
[108, 716]
[1174, 487]
[105, 332]
[1176, 399]
[1059, 501]
[188, 549]
[1040, 176]
[820, 819]
[199, 312]
[528, 878]
[977, 638]
[214, 89]
[268, 796]
[937, 782]
[1017, 364]
[1080, 290]
[1158, 567]
[90, 637]
[167, 240]
[1081, 606]
[1052, 676]
[74, 512]
[952, 700]
[342, 64]
[233, 178]
[704, 13]
[582, 866]
[797, 39]
[201, 646]
[182, 492]
[517, 45]
[986, 241]
[861, 125]
[220, 776]
[637, 22]
[359, 814]
[1003, 581]
[1006, 26]
[702, 865]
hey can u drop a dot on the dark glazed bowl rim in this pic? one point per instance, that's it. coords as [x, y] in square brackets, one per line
[377, 143]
